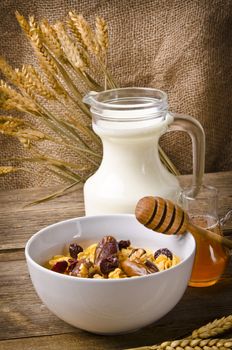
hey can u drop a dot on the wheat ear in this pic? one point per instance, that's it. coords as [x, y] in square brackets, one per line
[88, 36]
[4, 170]
[191, 344]
[48, 66]
[214, 328]
[21, 130]
[76, 56]
[50, 38]
[71, 50]
[91, 43]
[23, 23]
[9, 72]
[33, 83]
[102, 34]
[42, 53]
[11, 99]
[200, 338]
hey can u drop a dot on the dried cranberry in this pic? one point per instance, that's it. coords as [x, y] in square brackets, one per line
[74, 250]
[60, 266]
[151, 268]
[108, 264]
[123, 244]
[164, 251]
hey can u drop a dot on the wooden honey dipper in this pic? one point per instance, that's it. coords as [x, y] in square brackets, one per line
[164, 216]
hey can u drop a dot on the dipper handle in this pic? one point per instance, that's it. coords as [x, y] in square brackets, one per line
[164, 216]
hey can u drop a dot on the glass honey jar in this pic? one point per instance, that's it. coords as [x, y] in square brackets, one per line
[211, 257]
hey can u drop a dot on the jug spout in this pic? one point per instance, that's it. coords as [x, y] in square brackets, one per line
[89, 98]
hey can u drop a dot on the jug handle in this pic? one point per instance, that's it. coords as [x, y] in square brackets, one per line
[196, 132]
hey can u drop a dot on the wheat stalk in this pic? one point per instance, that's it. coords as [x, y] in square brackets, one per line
[62, 166]
[90, 40]
[39, 49]
[31, 29]
[11, 123]
[11, 99]
[26, 133]
[23, 23]
[50, 62]
[200, 339]
[9, 72]
[214, 328]
[70, 55]
[15, 127]
[191, 344]
[53, 195]
[71, 50]
[76, 56]
[87, 36]
[73, 24]
[4, 170]
[31, 83]
[102, 34]
[51, 39]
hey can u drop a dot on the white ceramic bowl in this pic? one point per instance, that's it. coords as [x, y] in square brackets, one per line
[101, 305]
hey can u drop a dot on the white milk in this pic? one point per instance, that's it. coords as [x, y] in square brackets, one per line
[131, 167]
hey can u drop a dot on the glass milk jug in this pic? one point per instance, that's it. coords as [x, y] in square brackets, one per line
[129, 122]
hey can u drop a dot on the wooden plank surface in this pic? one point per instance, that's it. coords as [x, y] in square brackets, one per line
[17, 223]
[25, 323]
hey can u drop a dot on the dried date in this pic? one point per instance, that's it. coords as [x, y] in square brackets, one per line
[132, 268]
[108, 264]
[107, 247]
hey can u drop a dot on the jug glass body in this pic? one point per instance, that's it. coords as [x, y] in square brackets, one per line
[129, 122]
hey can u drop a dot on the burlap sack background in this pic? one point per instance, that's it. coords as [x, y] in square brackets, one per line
[182, 47]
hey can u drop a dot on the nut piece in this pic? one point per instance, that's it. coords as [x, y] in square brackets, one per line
[82, 269]
[136, 254]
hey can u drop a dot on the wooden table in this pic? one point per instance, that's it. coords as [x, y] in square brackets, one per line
[27, 324]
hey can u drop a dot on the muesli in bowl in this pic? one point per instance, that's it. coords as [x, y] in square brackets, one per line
[108, 305]
[110, 258]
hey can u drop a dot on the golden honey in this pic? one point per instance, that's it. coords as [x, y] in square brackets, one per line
[211, 257]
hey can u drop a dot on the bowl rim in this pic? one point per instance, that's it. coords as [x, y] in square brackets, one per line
[41, 268]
